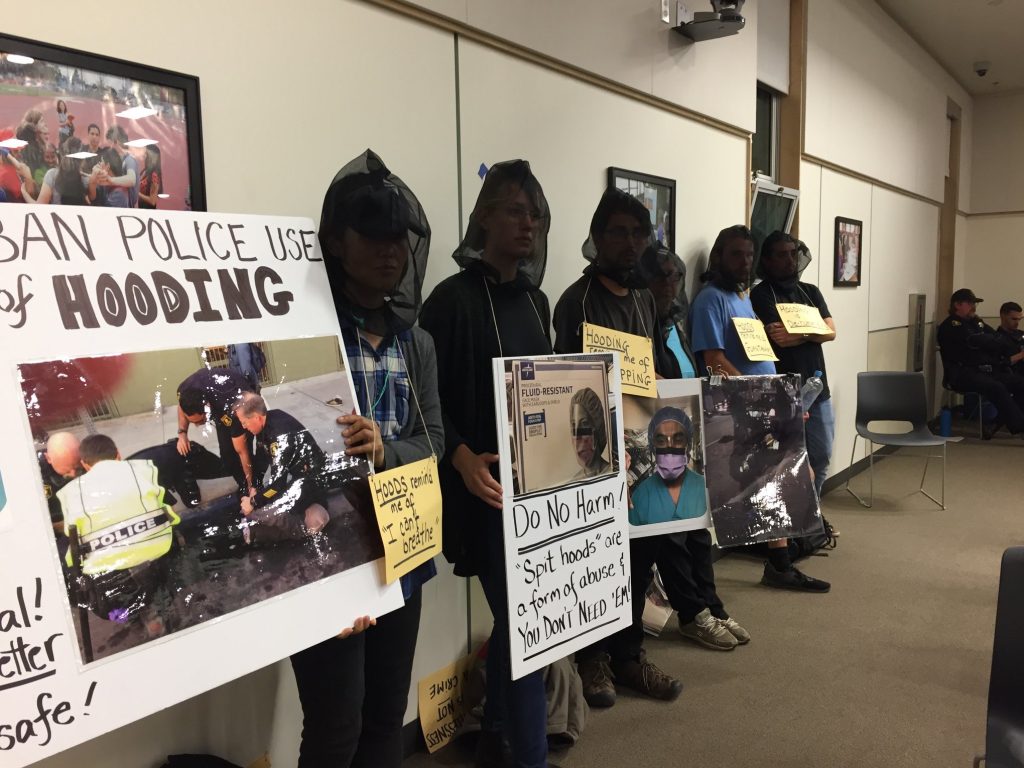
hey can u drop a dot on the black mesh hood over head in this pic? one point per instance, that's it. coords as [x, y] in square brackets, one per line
[803, 253]
[651, 267]
[374, 202]
[502, 180]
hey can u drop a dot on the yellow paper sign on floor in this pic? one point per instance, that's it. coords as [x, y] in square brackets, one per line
[636, 354]
[754, 339]
[442, 701]
[408, 505]
[801, 318]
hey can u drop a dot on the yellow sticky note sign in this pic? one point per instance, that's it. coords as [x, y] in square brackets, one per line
[407, 501]
[443, 704]
[801, 318]
[636, 354]
[754, 339]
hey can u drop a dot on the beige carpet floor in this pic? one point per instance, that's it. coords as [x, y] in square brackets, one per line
[891, 668]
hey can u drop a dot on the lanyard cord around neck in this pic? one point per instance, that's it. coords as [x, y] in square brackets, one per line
[494, 316]
[632, 294]
[387, 374]
[803, 293]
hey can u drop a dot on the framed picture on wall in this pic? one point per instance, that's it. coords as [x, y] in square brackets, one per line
[81, 128]
[848, 248]
[658, 195]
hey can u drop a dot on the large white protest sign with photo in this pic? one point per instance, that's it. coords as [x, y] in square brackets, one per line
[758, 474]
[565, 504]
[178, 508]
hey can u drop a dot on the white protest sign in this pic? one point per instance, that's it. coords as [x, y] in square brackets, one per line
[566, 542]
[103, 313]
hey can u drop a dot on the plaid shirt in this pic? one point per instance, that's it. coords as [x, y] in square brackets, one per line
[383, 372]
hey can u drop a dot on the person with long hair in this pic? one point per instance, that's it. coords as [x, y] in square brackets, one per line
[151, 184]
[62, 185]
[65, 122]
[493, 307]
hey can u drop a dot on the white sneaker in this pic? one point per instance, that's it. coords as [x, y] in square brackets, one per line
[734, 629]
[706, 630]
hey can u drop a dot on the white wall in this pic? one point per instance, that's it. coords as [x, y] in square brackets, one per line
[998, 166]
[876, 102]
[580, 135]
[626, 41]
[773, 44]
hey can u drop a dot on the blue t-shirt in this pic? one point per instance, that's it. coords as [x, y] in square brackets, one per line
[652, 503]
[712, 327]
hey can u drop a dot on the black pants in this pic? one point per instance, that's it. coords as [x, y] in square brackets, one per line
[687, 571]
[229, 456]
[1004, 389]
[354, 693]
[172, 468]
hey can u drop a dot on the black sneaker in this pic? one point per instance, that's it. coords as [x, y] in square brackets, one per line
[792, 579]
[188, 491]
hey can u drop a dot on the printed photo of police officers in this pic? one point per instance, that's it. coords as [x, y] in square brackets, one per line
[167, 512]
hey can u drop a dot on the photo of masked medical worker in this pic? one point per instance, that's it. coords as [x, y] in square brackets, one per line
[664, 442]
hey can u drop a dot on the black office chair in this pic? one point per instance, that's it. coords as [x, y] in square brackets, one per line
[895, 396]
[1004, 727]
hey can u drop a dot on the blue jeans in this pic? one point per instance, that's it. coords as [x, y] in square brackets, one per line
[515, 708]
[820, 431]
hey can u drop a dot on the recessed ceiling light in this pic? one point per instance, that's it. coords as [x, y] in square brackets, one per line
[140, 142]
[13, 143]
[163, 195]
[136, 113]
[17, 58]
[83, 155]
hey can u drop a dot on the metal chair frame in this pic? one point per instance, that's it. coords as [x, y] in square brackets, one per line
[941, 501]
[905, 406]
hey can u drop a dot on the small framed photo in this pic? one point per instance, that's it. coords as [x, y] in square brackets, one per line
[848, 244]
[658, 195]
[79, 128]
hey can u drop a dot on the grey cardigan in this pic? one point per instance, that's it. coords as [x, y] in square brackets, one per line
[413, 445]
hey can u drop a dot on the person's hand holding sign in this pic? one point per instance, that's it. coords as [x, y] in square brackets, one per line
[362, 438]
[476, 474]
[361, 624]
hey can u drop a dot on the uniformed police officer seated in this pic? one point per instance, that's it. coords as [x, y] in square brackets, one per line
[976, 359]
[1010, 315]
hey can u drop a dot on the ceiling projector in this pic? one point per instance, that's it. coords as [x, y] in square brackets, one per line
[723, 21]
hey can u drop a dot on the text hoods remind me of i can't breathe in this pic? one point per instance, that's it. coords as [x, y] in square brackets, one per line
[92, 282]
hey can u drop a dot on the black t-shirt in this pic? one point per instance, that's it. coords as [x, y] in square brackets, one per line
[587, 300]
[220, 387]
[804, 358]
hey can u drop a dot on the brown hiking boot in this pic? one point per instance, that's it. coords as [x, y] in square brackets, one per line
[644, 677]
[596, 674]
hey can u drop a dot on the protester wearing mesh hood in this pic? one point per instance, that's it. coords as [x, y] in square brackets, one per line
[492, 308]
[673, 491]
[717, 344]
[374, 236]
[611, 294]
[664, 274]
[783, 260]
[589, 433]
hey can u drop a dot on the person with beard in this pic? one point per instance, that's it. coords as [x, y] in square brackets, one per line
[974, 359]
[783, 259]
[589, 433]
[611, 294]
[375, 237]
[719, 350]
[493, 307]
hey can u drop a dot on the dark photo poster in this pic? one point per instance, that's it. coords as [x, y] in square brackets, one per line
[105, 315]
[758, 475]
